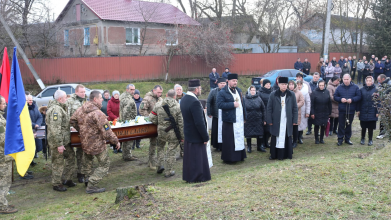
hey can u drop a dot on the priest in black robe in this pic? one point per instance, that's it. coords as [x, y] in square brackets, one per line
[195, 159]
[281, 115]
[230, 100]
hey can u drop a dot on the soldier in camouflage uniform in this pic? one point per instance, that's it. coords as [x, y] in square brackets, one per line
[127, 112]
[59, 139]
[5, 166]
[166, 132]
[74, 102]
[146, 106]
[94, 131]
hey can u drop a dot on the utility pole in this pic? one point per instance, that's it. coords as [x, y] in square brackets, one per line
[26, 60]
[327, 31]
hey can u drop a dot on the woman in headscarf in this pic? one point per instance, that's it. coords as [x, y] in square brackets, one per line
[332, 86]
[320, 110]
[305, 109]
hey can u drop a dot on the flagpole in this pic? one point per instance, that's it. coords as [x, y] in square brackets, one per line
[26, 60]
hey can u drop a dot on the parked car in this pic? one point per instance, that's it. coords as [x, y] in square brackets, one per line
[272, 76]
[47, 93]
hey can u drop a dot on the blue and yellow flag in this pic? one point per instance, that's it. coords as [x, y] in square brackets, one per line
[19, 137]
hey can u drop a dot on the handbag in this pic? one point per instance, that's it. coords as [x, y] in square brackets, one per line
[327, 128]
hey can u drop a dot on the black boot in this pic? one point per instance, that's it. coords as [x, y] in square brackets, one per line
[260, 146]
[294, 145]
[316, 140]
[362, 141]
[330, 133]
[249, 145]
[321, 141]
[308, 132]
[300, 141]
[80, 177]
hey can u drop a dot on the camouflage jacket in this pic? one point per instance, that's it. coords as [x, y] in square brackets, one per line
[158, 116]
[74, 103]
[127, 107]
[57, 123]
[93, 127]
[149, 101]
[3, 122]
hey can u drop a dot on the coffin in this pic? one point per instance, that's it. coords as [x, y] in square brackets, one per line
[125, 133]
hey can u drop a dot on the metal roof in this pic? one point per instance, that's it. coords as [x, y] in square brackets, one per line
[135, 11]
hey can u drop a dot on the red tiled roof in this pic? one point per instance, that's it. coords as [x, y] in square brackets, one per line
[138, 11]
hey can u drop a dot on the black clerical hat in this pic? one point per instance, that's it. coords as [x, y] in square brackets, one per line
[221, 79]
[232, 76]
[283, 80]
[194, 83]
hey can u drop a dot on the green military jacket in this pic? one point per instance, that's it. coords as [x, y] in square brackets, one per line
[148, 103]
[3, 122]
[57, 123]
[158, 116]
[74, 102]
[127, 107]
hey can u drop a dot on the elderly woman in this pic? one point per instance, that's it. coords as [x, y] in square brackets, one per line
[345, 69]
[113, 106]
[36, 121]
[305, 109]
[106, 98]
[256, 113]
[329, 71]
[264, 93]
[367, 110]
[332, 86]
[300, 102]
[337, 71]
[320, 110]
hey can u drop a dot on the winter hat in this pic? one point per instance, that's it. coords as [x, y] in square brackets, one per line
[115, 92]
[136, 92]
[294, 83]
[265, 81]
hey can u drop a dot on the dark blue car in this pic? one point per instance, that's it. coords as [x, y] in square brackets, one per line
[272, 76]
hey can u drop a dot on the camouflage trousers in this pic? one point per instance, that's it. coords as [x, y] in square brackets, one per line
[152, 151]
[127, 149]
[102, 170]
[5, 182]
[63, 165]
[170, 156]
[79, 158]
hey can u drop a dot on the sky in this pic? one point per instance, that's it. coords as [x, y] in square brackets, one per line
[58, 6]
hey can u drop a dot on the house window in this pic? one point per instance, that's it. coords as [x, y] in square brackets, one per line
[66, 38]
[86, 36]
[132, 36]
[354, 37]
[172, 37]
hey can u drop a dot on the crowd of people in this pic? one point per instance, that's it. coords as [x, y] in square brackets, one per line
[275, 116]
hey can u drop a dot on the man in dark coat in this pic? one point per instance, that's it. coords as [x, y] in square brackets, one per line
[341, 62]
[281, 115]
[213, 77]
[226, 73]
[213, 111]
[314, 81]
[348, 95]
[306, 67]
[195, 159]
[298, 65]
[230, 101]
[334, 62]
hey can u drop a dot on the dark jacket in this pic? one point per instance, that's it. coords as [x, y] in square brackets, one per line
[43, 120]
[138, 102]
[35, 115]
[348, 92]
[194, 124]
[313, 85]
[298, 65]
[345, 69]
[366, 106]
[387, 69]
[341, 62]
[255, 116]
[320, 106]
[104, 106]
[225, 102]
[273, 112]
[366, 71]
[377, 68]
[264, 94]
[306, 65]
[334, 62]
[225, 74]
[323, 71]
[211, 103]
[213, 78]
[113, 109]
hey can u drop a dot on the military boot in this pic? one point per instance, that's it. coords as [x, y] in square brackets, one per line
[60, 188]
[151, 166]
[80, 177]
[8, 210]
[69, 183]
[94, 189]
[170, 174]
[160, 169]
